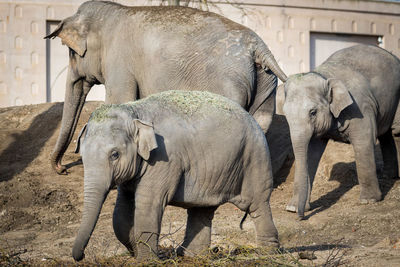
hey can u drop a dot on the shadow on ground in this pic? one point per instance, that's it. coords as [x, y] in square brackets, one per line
[346, 175]
[28, 144]
[323, 247]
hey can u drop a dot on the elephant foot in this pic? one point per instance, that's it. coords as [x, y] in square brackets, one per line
[131, 249]
[192, 250]
[368, 201]
[147, 255]
[293, 207]
[268, 244]
[370, 197]
[78, 254]
[180, 251]
[59, 168]
[268, 250]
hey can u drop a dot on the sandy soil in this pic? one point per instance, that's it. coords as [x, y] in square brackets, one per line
[40, 210]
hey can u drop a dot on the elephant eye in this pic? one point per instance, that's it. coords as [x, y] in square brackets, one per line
[114, 155]
[313, 112]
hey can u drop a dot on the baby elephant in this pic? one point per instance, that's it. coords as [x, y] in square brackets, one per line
[194, 150]
[352, 97]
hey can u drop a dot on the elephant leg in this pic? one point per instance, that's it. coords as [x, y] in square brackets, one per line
[389, 154]
[316, 149]
[396, 136]
[265, 112]
[75, 95]
[198, 231]
[149, 208]
[397, 143]
[123, 219]
[266, 233]
[263, 106]
[363, 145]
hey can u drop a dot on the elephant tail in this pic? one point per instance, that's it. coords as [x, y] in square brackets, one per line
[243, 219]
[266, 60]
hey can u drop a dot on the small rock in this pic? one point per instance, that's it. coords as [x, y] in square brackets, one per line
[307, 255]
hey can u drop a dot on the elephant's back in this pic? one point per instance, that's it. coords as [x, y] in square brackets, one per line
[372, 75]
[365, 67]
[191, 105]
[176, 16]
[199, 115]
[198, 49]
[367, 59]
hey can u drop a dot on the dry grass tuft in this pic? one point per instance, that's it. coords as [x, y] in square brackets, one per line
[216, 256]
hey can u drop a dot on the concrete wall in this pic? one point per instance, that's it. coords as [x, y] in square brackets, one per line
[286, 27]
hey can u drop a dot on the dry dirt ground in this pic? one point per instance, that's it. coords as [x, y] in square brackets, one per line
[40, 211]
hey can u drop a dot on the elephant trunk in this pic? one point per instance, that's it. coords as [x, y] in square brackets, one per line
[75, 96]
[95, 193]
[265, 58]
[302, 179]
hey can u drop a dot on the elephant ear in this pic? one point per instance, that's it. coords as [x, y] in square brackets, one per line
[73, 33]
[144, 137]
[78, 141]
[280, 99]
[338, 96]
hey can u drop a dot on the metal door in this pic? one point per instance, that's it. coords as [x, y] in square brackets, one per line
[322, 45]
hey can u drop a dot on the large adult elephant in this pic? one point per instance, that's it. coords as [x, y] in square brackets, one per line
[138, 51]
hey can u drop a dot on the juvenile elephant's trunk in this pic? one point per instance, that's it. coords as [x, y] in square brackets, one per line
[301, 179]
[96, 191]
[75, 95]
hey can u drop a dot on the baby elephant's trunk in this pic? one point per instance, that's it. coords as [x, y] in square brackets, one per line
[95, 194]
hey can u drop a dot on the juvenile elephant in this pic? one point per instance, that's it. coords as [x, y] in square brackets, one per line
[190, 149]
[352, 97]
[138, 51]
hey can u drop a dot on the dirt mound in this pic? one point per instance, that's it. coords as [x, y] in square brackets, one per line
[40, 211]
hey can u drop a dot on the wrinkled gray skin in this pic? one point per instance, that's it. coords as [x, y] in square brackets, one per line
[352, 97]
[138, 51]
[194, 150]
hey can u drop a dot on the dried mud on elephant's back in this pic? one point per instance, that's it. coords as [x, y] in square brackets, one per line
[40, 211]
